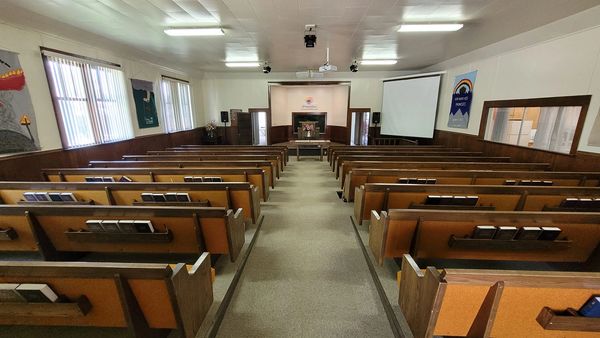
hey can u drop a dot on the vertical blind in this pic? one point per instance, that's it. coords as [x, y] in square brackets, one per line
[90, 101]
[176, 105]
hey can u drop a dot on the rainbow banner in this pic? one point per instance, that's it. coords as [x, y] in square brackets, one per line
[462, 96]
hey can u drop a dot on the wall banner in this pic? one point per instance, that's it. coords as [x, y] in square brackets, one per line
[462, 96]
[18, 130]
[145, 103]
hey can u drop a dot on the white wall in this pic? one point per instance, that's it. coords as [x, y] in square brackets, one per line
[225, 91]
[288, 99]
[559, 59]
[27, 43]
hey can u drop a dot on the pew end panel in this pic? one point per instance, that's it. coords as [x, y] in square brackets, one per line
[19, 235]
[236, 229]
[377, 234]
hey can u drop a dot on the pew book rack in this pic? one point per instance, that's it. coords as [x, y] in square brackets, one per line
[509, 245]
[119, 237]
[8, 234]
[82, 202]
[80, 307]
[567, 321]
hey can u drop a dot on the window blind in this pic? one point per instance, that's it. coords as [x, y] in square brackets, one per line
[90, 101]
[176, 105]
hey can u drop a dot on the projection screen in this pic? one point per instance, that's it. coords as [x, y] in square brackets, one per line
[410, 105]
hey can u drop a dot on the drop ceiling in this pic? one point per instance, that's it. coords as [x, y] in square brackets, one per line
[273, 30]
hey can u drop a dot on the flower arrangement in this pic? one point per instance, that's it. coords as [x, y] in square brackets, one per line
[308, 127]
[211, 126]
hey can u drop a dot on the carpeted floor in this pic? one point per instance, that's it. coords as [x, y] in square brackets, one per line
[306, 276]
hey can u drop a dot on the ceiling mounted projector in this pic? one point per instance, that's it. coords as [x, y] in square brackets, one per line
[354, 67]
[327, 67]
[310, 36]
[266, 68]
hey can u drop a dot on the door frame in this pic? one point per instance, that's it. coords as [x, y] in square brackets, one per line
[268, 111]
[349, 121]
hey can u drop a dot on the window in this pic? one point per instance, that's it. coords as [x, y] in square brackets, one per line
[89, 100]
[551, 124]
[176, 104]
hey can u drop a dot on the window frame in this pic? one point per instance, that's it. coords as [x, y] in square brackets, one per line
[582, 101]
[55, 101]
[162, 104]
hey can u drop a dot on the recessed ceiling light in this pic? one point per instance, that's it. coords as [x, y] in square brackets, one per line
[431, 27]
[378, 62]
[242, 64]
[194, 31]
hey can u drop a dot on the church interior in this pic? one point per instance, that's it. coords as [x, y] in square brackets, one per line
[299, 168]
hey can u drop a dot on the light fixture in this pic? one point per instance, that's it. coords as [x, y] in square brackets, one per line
[242, 64]
[354, 67]
[451, 27]
[174, 31]
[378, 62]
[266, 68]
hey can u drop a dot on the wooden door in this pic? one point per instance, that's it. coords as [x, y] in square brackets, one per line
[244, 128]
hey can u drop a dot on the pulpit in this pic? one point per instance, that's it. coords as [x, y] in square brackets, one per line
[308, 130]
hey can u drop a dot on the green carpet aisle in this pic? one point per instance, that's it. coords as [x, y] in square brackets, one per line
[306, 276]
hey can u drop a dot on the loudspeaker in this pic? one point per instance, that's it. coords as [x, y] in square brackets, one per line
[376, 118]
[224, 116]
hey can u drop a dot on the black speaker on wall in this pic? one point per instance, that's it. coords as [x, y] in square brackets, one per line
[376, 118]
[225, 116]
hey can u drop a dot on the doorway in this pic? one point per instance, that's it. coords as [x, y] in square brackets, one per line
[261, 125]
[359, 121]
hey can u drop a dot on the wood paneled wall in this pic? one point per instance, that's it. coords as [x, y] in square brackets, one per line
[281, 134]
[26, 167]
[581, 161]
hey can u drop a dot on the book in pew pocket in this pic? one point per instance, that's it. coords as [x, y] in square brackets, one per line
[484, 232]
[9, 293]
[41, 196]
[55, 196]
[94, 225]
[591, 308]
[549, 233]
[529, 233]
[111, 226]
[188, 179]
[29, 197]
[147, 197]
[171, 197]
[68, 197]
[159, 197]
[433, 200]
[125, 179]
[37, 293]
[108, 179]
[506, 233]
[183, 197]
[127, 226]
[143, 226]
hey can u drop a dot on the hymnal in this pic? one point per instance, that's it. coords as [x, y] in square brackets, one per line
[506, 233]
[213, 179]
[403, 180]
[447, 200]
[433, 200]
[431, 181]
[183, 197]
[570, 202]
[473, 200]
[529, 233]
[98, 179]
[111, 226]
[143, 226]
[108, 179]
[94, 225]
[421, 181]
[127, 226]
[549, 233]
[159, 197]
[460, 200]
[171, 197]
[90, 179]
[37, 293]
[188, 179]
[586, 203]
[413, 180]
[9, 294]
[68, 197]
[125, 179]
[525, 182]
[510, 182]
[591, 308]
[42, 196]
[197, 179]
[484, 232]
[547, 183]
[55, 196]
[147, 197]
[29, 196]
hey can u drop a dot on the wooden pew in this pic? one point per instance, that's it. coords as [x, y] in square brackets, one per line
[264, 165]
[447, 234]
[423, 157]
[55, 230]
[495, 303]
[284, 149]
[479, 166]
[335, 148]
[381, 196]
[230, 195]
[148, 300]
[274, 159]
[360, 176]
[183, 151]
[254, 176]
[398, 152]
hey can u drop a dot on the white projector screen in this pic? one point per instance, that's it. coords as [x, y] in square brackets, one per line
[410, 105]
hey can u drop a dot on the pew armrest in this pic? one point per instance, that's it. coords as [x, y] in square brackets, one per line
[236, 229]
[193, 294]
[377, 235]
